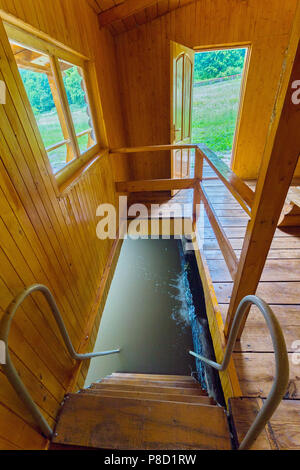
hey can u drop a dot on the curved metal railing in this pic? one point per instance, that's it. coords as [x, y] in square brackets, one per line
[280, 383]
[9, 369]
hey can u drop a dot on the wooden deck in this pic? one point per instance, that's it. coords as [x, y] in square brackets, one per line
[279, 286]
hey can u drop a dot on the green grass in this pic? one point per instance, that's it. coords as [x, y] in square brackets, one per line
[51, 133]
[215, 109]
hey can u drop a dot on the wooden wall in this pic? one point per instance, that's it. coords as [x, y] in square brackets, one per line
[46, 237]
[143, 55]
[73, 23]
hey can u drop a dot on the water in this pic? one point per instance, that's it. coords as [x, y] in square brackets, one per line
[147, 313]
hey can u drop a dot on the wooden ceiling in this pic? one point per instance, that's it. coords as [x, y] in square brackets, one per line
[122, 15]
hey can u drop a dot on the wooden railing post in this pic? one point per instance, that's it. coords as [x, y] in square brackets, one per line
[276, 173]
[198, 175]
[64, 127]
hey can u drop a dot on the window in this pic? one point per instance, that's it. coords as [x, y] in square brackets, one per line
[78, 102]
[57, 92]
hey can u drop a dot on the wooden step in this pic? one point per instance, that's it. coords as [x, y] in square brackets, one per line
[152, 377]
[154, 383]
[201, 400]
[108, 423]
[149, 389]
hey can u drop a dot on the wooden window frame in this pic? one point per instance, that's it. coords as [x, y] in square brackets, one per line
[56, 53]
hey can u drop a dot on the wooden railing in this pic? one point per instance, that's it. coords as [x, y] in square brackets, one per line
[274, 179]
[68, 141]
[235, 185]
[264, 206]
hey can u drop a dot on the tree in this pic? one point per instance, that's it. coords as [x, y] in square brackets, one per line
[73, 81]
[221, 63]
[39, 92]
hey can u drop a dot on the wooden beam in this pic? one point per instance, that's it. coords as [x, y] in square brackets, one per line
[128, 8]
[94, 5]
[153, 148]
[154, 185]
[62, 94]
[198, 174]
[278, 166]
[225, 246]
[32, 67]
[57, 145]
[62, 119]
[290, 216]
[229, 379]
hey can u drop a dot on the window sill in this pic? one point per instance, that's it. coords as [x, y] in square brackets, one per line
[71, 173]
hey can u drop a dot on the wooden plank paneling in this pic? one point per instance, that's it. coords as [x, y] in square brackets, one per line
[145, 90]
[48, 237]
[243, 412]
[282, 431]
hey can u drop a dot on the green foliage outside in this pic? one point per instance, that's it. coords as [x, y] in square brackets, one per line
[39, 93]
[49, 126]
[72, 81]
[215, 64]
[215, 105]
[215, 109]
[40, 97]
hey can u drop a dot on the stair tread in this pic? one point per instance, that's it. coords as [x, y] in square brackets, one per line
[185, 378]
[152, 396]
[150, 388]
[124, 423]
[154, 383]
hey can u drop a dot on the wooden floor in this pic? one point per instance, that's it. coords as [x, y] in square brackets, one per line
[279, 286]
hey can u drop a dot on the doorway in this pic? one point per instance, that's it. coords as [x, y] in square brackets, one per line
[217, 91]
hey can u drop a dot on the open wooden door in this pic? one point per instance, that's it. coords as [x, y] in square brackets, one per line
[182, 68]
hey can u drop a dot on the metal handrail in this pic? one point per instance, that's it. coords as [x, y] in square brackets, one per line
[9, 369]
[280, 383]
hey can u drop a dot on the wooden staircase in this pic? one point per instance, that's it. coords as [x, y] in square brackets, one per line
[139, 411]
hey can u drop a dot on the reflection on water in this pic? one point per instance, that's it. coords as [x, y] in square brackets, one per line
[147, 313]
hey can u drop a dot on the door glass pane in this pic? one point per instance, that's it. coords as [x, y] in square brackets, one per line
[187, 96]
[36, 74]
[177, 163]
[178, 110]
[185, 163]
[79, 105]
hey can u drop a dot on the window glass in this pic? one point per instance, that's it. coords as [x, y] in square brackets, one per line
[179, 93]
[58, 158]
[36, 73]
[79, 106]
[187, 96]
